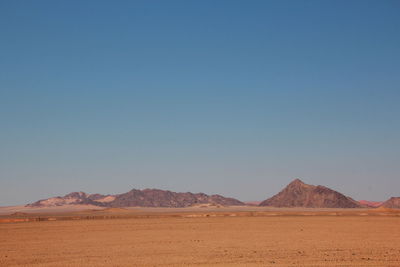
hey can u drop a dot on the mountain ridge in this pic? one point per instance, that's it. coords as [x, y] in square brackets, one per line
[138, 198]
[295, 194]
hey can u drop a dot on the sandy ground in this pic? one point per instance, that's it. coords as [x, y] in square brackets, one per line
[66, 208]
[206, 238]
[69, 209]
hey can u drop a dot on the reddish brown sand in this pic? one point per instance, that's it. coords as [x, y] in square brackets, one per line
[280, 239]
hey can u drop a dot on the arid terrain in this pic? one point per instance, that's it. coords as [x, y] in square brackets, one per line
[302, 225]
[208, 236]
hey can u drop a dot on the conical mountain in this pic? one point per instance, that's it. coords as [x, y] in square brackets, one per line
[299, 194]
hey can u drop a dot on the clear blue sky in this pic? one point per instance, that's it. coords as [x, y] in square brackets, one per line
[229, 97]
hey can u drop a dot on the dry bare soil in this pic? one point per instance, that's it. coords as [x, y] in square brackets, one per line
[200, 239]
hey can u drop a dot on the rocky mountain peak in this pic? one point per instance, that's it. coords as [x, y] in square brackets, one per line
[299, 194]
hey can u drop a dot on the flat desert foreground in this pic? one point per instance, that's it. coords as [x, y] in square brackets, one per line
[205, 241]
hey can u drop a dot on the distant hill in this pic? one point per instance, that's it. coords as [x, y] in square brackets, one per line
[74, 198]
[371, 204]
[252, 203]
[392, 203]
[299, 194]
[138, 198]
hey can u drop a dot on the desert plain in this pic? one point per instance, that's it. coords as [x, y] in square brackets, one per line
[240, 236]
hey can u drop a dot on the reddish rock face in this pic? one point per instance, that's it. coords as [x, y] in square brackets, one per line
[392, 203]
[299, 194]
[138, 198]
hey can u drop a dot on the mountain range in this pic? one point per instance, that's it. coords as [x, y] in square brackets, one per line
[139, 198]
[295, 194]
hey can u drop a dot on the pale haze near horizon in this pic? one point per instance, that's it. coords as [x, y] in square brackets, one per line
[230, 97]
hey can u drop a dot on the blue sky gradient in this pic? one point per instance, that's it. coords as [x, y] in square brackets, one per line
[229, 97]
